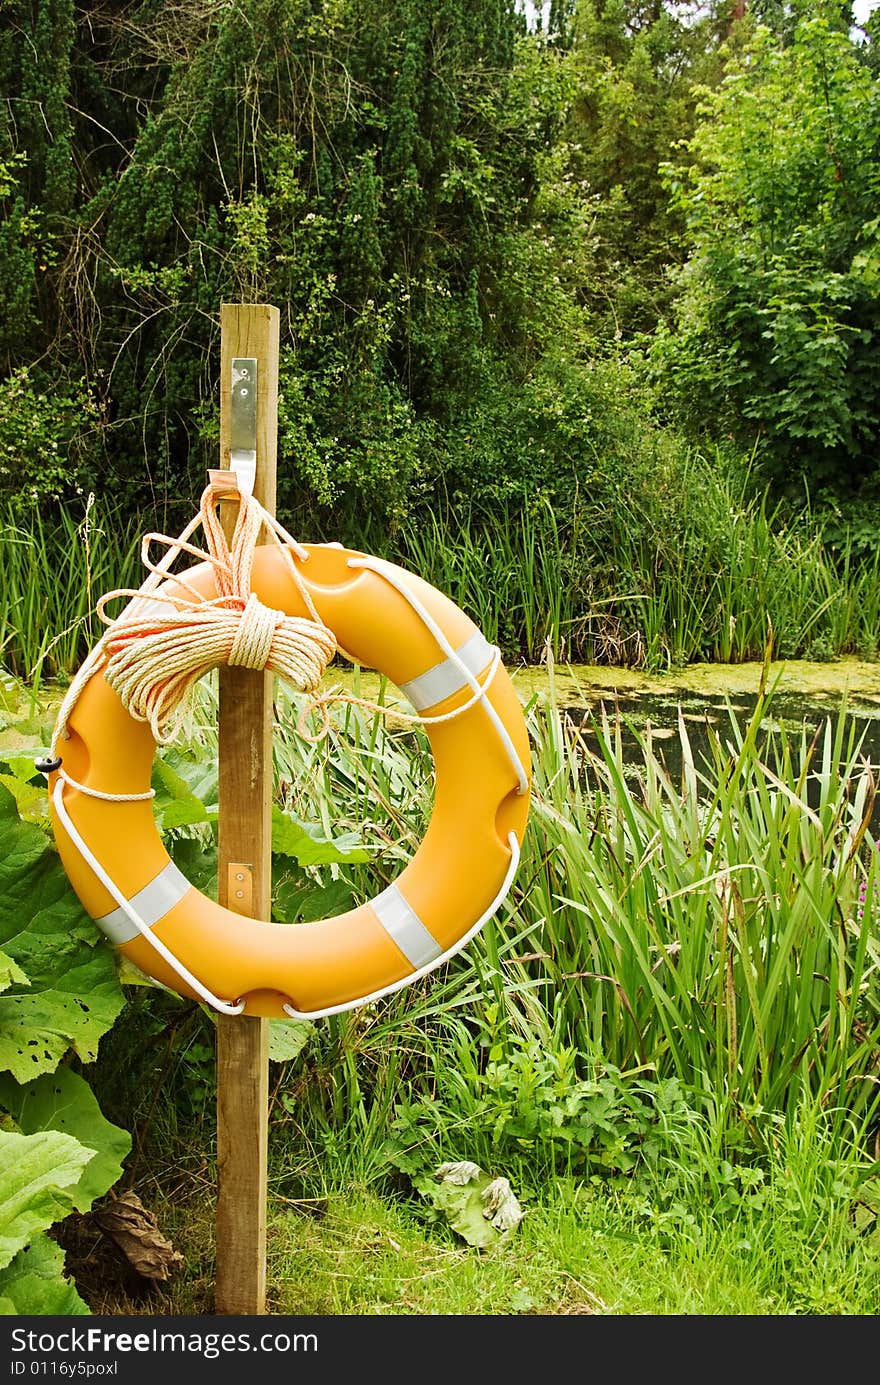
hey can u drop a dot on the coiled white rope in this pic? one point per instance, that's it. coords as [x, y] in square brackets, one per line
[153, 660]
[153, 664]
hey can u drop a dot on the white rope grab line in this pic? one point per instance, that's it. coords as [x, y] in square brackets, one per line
[513, 843]
[414, 718]
[127, 908]
[99, 793]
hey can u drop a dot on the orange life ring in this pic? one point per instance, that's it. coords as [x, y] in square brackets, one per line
[456, 878]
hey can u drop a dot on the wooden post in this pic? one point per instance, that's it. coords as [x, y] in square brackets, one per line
[244, 878]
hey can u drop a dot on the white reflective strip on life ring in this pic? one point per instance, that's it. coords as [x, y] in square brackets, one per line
[513, 843]
[152, 903]
[405, 928]
[446, 678]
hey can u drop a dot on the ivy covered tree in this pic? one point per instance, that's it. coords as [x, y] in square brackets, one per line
[465, 224]
[38, 183]
[361, 164]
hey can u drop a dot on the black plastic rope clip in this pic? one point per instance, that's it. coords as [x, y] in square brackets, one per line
[47, 765]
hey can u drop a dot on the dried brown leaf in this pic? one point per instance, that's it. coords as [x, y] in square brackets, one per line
[134, 1229]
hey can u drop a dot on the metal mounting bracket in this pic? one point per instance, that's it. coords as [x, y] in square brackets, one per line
[243, 423]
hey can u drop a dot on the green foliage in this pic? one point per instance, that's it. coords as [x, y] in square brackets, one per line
[667, 557]
[455, 217]
[177, 802]
[43, 433]
[511, 1096]
[287, 1038]
[636, 70]
[37, 172]
[307, 845]
[697, 959]
[359, 169]
[19, 252]
[776, 329]
[639, 551]
[52, 571]
[60, 995]
[36, 1172]
[592, 1249]
[680, 984]
[62, 1156]
[34, 1283]
[464, 1196]
[423, 189]
[62, 1100]
[70, 996]
[678, 951]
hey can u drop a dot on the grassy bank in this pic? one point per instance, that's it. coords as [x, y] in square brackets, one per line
[790, 1247]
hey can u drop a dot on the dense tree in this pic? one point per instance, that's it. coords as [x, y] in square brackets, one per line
[634, 69]
[38, 185]
[776, 334]
[460, 220]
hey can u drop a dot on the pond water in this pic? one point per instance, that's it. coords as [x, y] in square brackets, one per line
[804, 696]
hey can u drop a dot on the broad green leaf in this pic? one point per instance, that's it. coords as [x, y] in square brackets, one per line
[480, 1208]
[198, 862]
[20, 852]
[175, 804]
[197, 773]
[461, 1205]
[37, 1029]
[130, 975]
[36, 1175]
[182, 813]
[72, 995]
[306, 844]
[302, 901]
[63, 1101]
[10, 973]
[34, 1283]
[287, 1038]
[22, 768]
[31, 798]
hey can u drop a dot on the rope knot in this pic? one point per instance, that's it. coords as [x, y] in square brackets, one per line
[252, 644]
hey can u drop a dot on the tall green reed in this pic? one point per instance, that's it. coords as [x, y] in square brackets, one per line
[651, 580]
[695, 567]
[52, 572]
[709, 926]
[517, 572]
[692, 946]
[704, 928]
